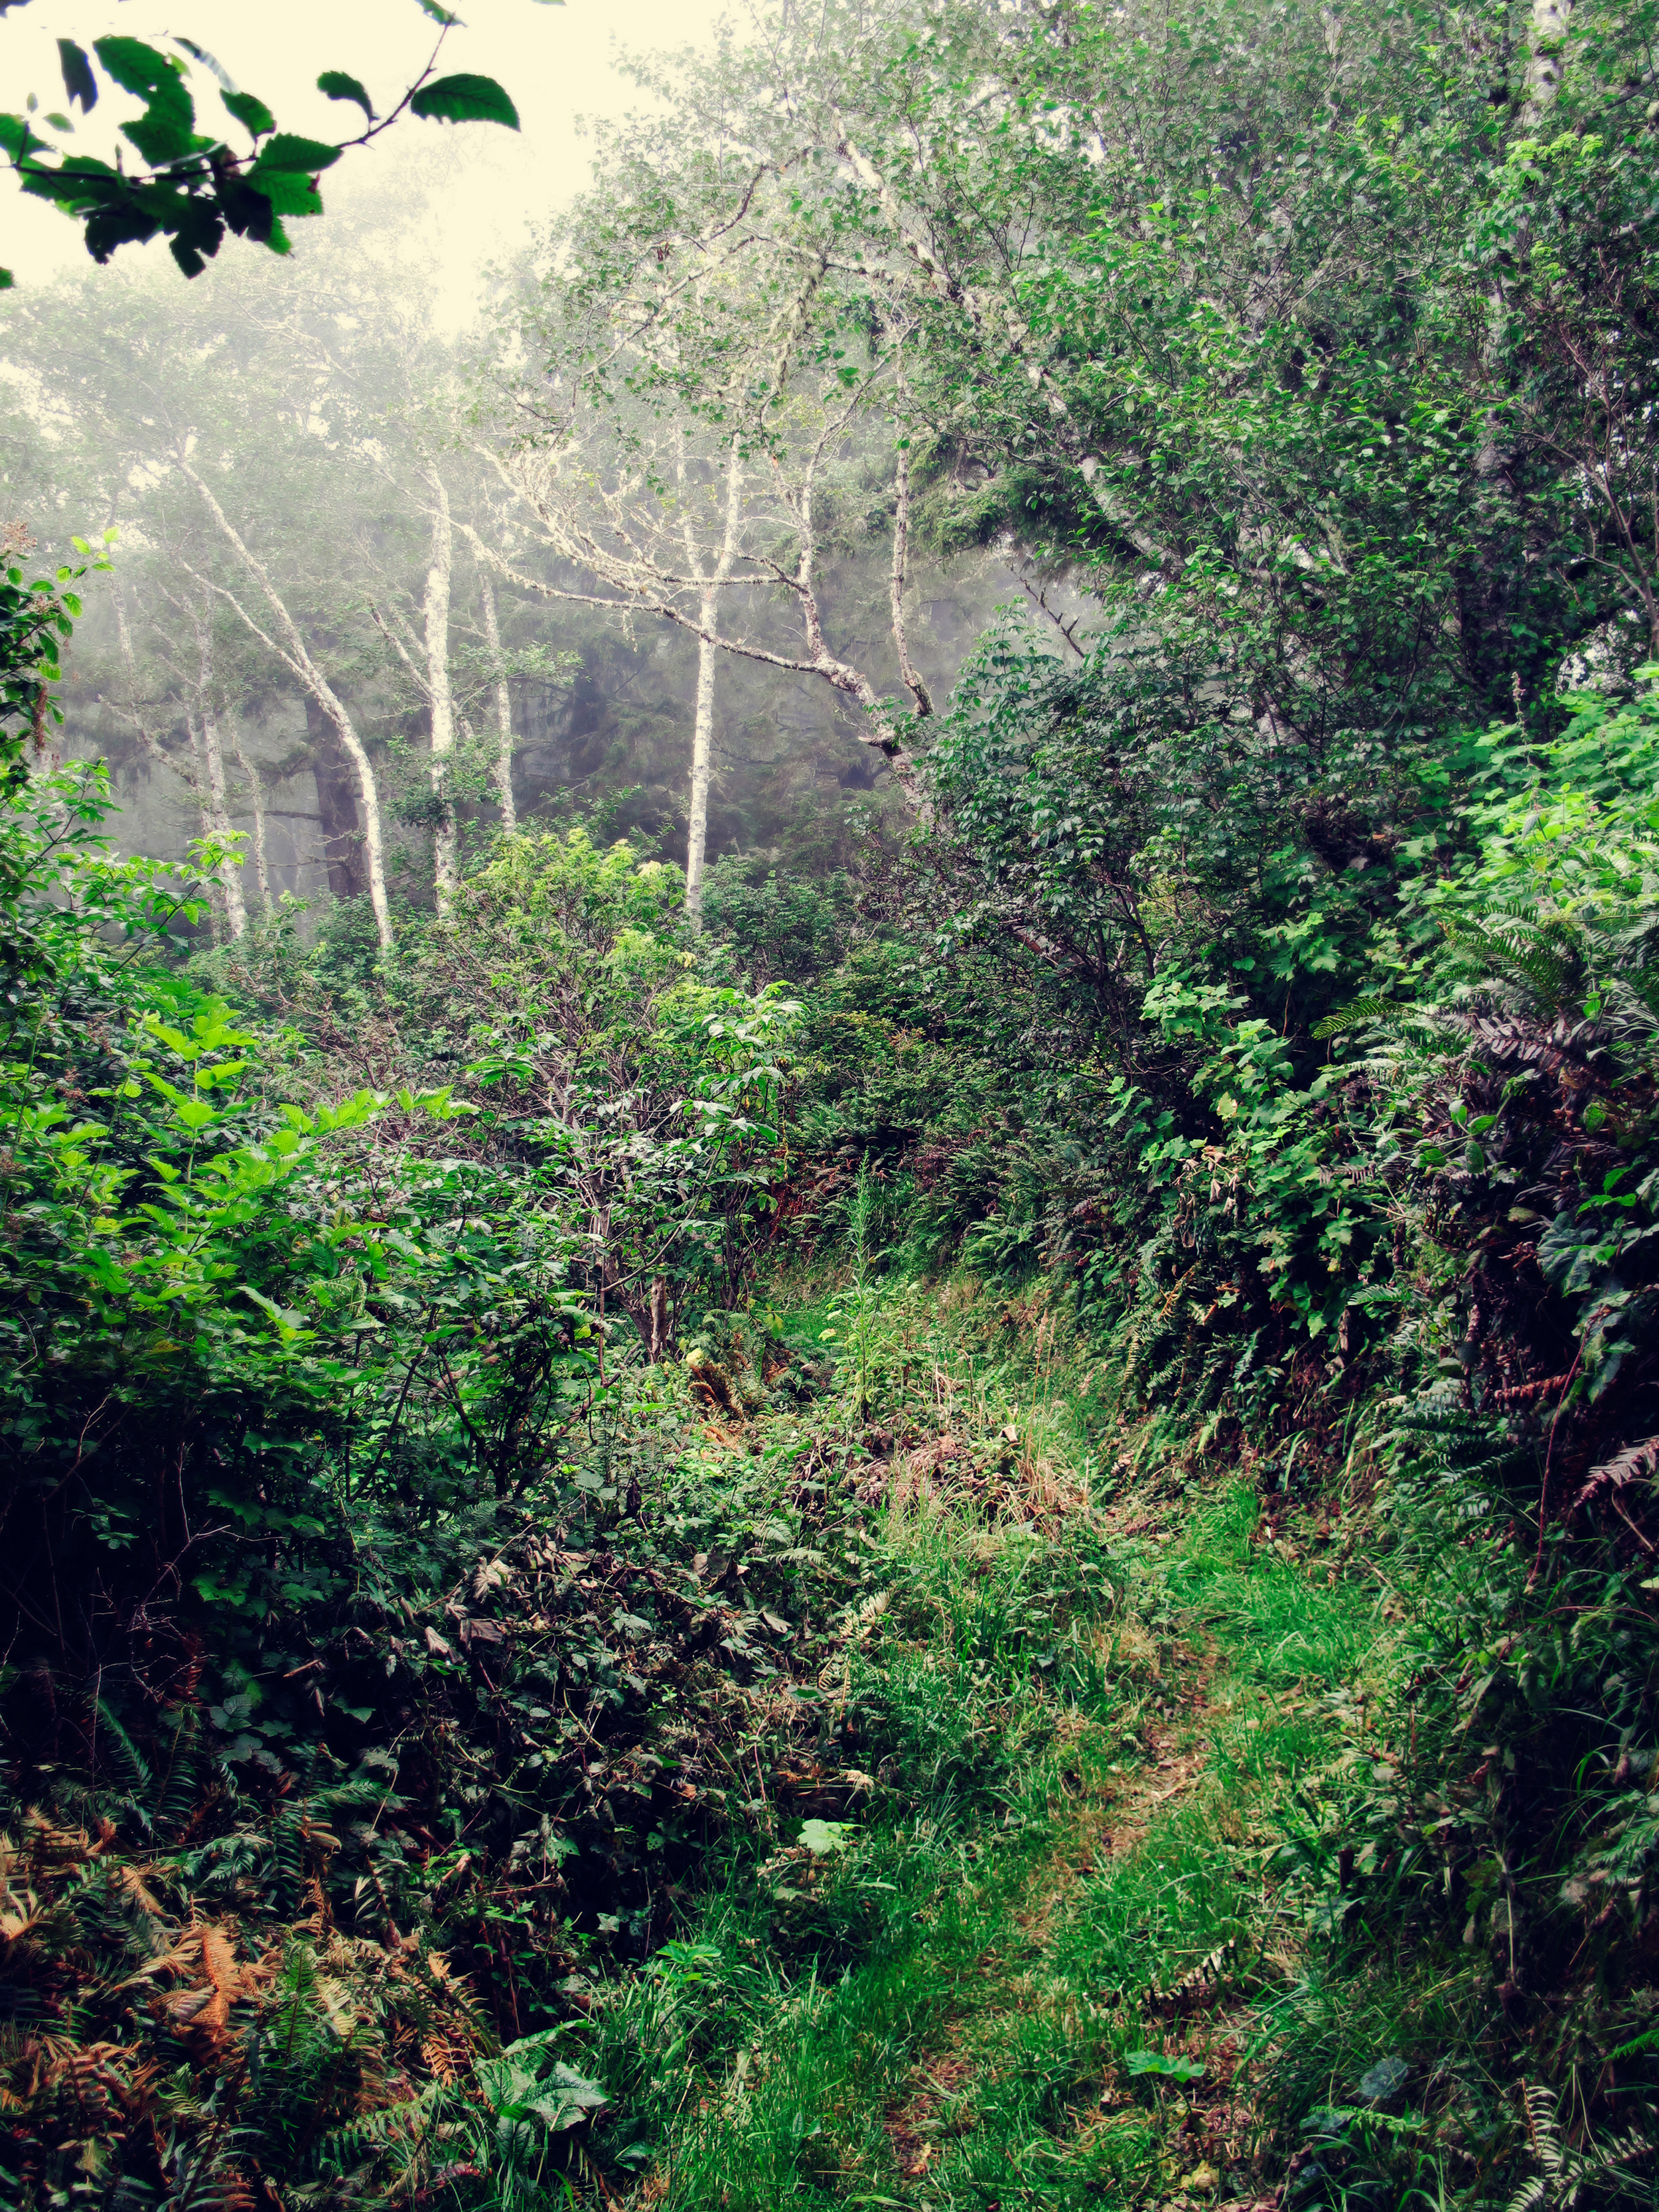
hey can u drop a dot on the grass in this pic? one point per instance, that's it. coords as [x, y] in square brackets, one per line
[1034, 1966]
[1039, 1832]
[1152, 1821]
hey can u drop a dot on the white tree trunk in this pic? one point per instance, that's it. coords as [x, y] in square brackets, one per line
[189, 775]
[210, 752]
[703, 744]
[702, 730]
[1545, 62]
[261, 866]
[199, 792]
[503, 765]
[445, 873]
[230, 867]
[293, 650]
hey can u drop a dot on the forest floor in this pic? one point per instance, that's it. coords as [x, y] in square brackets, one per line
[1047, 1956]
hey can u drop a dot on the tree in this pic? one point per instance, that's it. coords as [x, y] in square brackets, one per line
[256, 433]
[689, 461]
[1209, 323]
[201, 766]
[289, 647]
[501, 701]
[425, 658]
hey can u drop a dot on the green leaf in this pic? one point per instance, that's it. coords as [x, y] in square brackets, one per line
[821, 1838]
[125, 223]
[251, 112]
[166, 129]
[340, 86]
[15, 136]
[79, 82]
[7, 280]
[465, 99]
[438, 15]
[1170, 2069]
[288, 154]
[285, 177]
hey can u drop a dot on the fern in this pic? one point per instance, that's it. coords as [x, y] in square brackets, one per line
[1565, 2175]
[1629, 1466]
[1512, 949]
[128, 1760]
[288, 1846]
[376, 2130]
[1384, 1013]
[181, 1779]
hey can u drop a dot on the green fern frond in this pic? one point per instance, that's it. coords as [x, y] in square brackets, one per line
[127, 1758]
[182, 1775]
[374, 2131]
[1384, 1013]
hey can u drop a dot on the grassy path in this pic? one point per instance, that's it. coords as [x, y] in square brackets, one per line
[1035, 1967]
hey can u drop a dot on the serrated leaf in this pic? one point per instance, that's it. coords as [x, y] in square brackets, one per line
[166, 129]
[79, 82]
[465, 99]
[122, 224]
[289, 154]
[286, 191]
[142, 70]
[251, 112]
[198, 236]
[339, 85]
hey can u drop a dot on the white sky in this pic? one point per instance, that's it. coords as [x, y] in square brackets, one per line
[556, 62]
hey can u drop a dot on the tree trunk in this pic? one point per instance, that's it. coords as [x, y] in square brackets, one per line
[1545, 62]
[702, 730]
[297, 654]
[446, 874]
[1486, 603]
[702, 742]
[256, 801]
[337, 807]
[201, 792]
[211, 750]
[503, 767]
[218, 812]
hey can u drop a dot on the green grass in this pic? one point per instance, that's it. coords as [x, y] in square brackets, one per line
[1101, 1926]
[937, 2011]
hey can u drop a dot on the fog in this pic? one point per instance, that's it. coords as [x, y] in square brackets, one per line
[346, 640]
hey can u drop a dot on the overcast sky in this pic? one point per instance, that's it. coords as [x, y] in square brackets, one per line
[556, 62]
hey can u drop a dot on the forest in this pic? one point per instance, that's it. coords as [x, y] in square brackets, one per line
[830, 1061]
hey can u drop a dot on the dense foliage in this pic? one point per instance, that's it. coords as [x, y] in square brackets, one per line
[603, 1497]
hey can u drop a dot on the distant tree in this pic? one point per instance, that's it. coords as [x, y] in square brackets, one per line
[706, 411]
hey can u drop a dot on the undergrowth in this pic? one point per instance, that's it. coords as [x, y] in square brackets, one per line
[1062, 1848]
